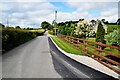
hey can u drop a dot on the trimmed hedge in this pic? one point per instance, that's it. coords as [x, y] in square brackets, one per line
[11, 38]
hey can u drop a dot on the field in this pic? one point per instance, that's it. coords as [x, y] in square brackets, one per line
[38, 30]
[68, 48]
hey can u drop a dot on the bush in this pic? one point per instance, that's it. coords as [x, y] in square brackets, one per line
[113, 38]
[13, 37]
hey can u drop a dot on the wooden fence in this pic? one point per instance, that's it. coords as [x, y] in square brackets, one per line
[75, 42]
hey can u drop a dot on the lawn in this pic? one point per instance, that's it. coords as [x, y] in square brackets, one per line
[70, 49]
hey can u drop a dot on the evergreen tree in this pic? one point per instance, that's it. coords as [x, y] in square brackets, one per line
[100, 34]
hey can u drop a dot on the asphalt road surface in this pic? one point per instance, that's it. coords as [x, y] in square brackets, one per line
[39, 58]
[30, 60]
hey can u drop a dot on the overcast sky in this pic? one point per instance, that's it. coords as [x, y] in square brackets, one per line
[32, 13]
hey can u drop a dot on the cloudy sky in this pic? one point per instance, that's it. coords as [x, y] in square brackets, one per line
[32, 13]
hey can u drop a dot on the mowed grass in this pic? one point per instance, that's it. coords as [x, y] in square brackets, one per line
[66, 47]
[70, 49]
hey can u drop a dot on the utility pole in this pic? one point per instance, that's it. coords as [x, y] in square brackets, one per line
[55, 21]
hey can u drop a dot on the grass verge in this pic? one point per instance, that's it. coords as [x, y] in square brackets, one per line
[70, 49]
[66, 47]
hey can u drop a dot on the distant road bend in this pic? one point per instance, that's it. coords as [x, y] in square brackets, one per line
[39, 58]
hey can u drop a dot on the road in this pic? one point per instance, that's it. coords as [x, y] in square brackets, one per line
[30, 60]
[39, 58]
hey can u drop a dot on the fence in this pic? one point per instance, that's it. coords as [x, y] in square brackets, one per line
[75, 42]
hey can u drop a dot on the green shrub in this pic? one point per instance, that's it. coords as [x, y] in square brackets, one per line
[113, 38]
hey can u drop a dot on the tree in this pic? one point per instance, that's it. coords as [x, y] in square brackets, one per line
[118, 21]
[18, 27]
[103, 20]
[92, 20]
[28, 28]
[45, 24]
[100, 34]
[50, 27]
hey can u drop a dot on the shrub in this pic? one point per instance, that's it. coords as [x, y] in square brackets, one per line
[113, 38]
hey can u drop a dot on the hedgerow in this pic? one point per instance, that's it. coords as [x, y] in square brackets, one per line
[13, 37]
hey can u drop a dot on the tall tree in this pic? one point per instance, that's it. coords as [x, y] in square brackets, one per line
[45, 24]
[100, 34]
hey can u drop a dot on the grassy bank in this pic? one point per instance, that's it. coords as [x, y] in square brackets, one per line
[70, 49]
[66, 47]
[11, 38]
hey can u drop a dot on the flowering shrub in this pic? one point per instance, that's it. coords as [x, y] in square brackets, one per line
[84, 29]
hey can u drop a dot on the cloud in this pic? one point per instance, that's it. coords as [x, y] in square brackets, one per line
[92, 1]
[110, 15]
[109, 12]
[105, 10]
[59, 0]
[33, 13]
[22, 13]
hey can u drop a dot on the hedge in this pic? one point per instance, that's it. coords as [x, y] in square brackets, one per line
[11, 38]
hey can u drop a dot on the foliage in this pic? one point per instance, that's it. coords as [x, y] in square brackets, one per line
[13, 37]
[65, 30]
[113, 38]
[1, 25]
[50, 27]
[51, 32]
[118, 21]
[84, 29]
[104, 21]
[17, 27]
[100, 34]
[111, 28]
[45, 24]
[72, 32]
